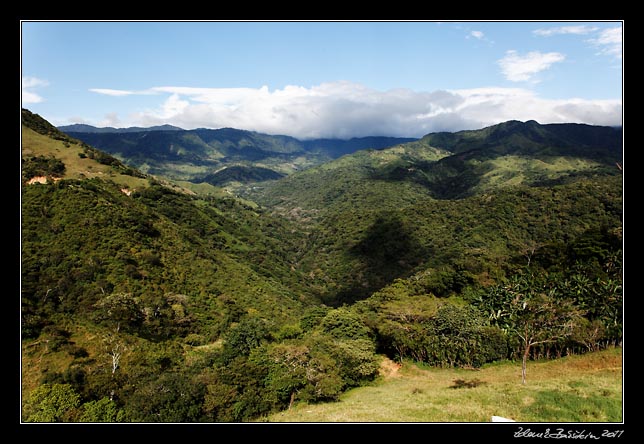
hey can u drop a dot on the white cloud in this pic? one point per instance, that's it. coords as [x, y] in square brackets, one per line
[30, 97]
[576, 29]
[609, 41]
[111, 119]
[345, 109]
[494, 105]
[174, 106]
[33, 82]
[480, 36]
[112, 92]
[28, 84]
[519, 68]
[477, 34]
[76, 119]
[121, 92]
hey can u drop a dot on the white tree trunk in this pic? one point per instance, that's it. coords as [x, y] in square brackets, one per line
[116, 357]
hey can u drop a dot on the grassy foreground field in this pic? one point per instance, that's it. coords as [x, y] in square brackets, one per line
[586, 388]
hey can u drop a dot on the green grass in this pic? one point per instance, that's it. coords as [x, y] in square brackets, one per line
[585, 388]
[202, 189]
[35, 144]
[504, 170]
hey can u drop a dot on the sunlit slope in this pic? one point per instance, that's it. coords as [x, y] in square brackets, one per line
[380, 215]
[584, 388]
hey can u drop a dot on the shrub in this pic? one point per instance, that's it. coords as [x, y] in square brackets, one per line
[42, 166]
[462, 383]
[343, 323]
[51, 403]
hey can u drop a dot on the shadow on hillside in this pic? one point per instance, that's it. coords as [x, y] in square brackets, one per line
[457, 176]
[388, 250]
[453, 177]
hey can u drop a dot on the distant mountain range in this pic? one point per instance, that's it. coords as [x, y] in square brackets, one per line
[83, 128]
[196, 155]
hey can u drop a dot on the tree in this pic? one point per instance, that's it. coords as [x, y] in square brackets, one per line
[170, 397]
[115, 352]
[51, 403]
[119, 311]
[528, 249]
[342, 323]
[102, 410]
[114, 347]
[236, 391]
[246, 335]
[288, 373]
[356, 360]
[538, 317]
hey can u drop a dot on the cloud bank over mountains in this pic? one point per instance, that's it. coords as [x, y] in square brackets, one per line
[345, 109]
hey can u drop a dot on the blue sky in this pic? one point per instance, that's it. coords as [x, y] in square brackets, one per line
[323, 79]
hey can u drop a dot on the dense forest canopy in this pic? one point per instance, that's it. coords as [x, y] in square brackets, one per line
[145, 301]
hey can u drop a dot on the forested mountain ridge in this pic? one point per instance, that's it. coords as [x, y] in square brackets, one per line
[197, 154]
[456, 165]
[84, 128]
[516, 135]
[524, 152]
[142, 302]
[391, 213]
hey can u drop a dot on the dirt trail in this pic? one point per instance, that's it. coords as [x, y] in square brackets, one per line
[388, 368]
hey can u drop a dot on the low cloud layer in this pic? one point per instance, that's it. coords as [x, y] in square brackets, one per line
[345, 109]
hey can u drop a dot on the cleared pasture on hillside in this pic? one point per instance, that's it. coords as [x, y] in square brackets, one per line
[586, 388]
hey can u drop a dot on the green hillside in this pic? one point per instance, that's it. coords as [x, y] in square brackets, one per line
[192, 155]
[49, 155]
[380, 215]
[514, 152]
[150, 300]
[512, 136]
[239, 174]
